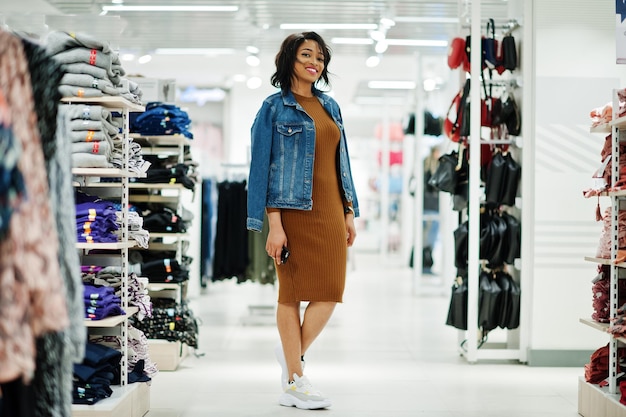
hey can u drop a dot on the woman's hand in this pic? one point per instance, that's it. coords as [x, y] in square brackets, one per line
[350, 229]
[276, 238]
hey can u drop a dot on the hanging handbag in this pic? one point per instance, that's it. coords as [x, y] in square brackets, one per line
[513, 238]
[510, 116]
[453, 121]
[495, 179]
[445, 176]
[509, 53]
[488, 301]
[457, 311]
[511, 180]
[460, 245]
[456, 53]
[490, 45]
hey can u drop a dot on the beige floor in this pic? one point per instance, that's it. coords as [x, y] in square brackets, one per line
[385, 353]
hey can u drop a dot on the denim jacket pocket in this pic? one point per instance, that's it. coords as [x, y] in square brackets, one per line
[286, 129]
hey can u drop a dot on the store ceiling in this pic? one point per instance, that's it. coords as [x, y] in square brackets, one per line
[257, 23]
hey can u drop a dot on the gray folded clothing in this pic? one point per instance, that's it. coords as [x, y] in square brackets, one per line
[104, 125]
[85, 56]
[87, 112]
[88, 136]
[85, 80]
[87, 160]
[71, 91]
[58, 41]
[94, 148]
[82, 68]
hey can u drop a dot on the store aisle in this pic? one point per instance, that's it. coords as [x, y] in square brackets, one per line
[385, 353]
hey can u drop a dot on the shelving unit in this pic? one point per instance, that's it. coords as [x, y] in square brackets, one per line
[167, 355]
[131, 400]
[511, 345]
[593, 400]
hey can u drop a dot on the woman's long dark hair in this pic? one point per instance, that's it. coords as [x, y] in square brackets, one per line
[286, 57]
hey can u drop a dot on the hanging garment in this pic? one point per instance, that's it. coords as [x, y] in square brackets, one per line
[56, 352]
[32, 292]
[231, 235]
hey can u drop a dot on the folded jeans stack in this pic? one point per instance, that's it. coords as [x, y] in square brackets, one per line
[161, 119]
[94, 376]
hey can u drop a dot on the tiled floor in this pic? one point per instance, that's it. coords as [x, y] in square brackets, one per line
[385, 353]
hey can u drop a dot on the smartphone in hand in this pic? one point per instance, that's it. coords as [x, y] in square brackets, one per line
[284, 255]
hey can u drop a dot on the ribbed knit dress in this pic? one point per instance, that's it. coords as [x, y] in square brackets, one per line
[316, 268]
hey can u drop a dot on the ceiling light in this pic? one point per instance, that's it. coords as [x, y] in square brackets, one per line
[386, 22]
[117, 1]
[253, 83]
[392, 85]
[253, 60]
[411, 19]
[381, 46]
[391, 42]
[352, 41]
[127, 57]
[194, 51]
[296, 26]
[144, 59]
[377, 35]
[252, 49]
[158, 8]
[372, 61]
[417, 42]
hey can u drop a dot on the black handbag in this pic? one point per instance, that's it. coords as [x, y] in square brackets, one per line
[495, 179]
[510, 116]
[445, 176]
[457, 311]
[512, 179]
[489, 298]
[509, 53]
[512, 238]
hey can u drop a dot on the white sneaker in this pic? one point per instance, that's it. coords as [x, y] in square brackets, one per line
[280, 357]
[301, 394]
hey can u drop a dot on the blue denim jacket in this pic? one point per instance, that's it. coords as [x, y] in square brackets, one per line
[283, 149]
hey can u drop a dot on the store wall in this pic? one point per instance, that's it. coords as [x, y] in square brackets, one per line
[575, 72]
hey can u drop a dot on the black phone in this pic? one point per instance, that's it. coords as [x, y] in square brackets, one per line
[284, 255]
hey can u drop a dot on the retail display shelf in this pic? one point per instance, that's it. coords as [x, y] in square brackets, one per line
[158, 286]
[596, 401]
[617, 193]
[602, 128]
[113, 320]
[147, 186]
[166, 235]
[113, 102]
[167, 355]
[603, 327]
[132, 400]
[153, 198]
[604, 261]
[620, 122]
[103, 172]
[160, 140]
[162, 246]
[106, 246]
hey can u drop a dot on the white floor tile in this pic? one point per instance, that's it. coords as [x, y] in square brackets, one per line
[386, 352]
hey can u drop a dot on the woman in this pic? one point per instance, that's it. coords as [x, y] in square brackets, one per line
[300, 178]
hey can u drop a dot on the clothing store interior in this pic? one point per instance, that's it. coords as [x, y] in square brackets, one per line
[487, 274]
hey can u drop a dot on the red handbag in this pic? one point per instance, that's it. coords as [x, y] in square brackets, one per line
[456, 53]
[451, 122]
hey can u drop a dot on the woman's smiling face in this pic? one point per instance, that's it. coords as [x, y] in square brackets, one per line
[309, 62]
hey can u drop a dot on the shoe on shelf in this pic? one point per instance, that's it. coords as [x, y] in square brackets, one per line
[280, 357]
[301, 394]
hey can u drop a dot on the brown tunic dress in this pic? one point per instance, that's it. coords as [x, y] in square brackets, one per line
[316, 269]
